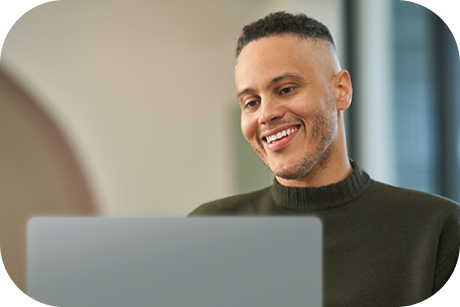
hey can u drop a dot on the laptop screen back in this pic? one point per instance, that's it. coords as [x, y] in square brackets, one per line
[196, 261]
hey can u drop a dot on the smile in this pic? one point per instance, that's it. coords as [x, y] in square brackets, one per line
[280, 135]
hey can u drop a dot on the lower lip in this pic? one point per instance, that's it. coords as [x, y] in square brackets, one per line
[277, 145]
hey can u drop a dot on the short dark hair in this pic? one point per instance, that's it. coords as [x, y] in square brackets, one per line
[283, 23]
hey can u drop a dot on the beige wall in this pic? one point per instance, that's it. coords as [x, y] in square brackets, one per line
[142, 90]
[39, 175]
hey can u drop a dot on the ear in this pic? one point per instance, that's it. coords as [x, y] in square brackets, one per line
[342, 90]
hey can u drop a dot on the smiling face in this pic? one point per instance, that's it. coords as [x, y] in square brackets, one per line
[291, 101]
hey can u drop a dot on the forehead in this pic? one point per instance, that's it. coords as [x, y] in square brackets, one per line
[268, 57]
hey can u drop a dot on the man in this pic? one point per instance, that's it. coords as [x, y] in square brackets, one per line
[383, 246]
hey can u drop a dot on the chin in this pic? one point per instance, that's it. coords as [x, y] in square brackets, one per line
[291, 175]
[295, 171]
[300, 168]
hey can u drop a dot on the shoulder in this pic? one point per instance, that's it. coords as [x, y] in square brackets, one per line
[412, 197]
[419, 213]
[234, 205]
[422, 217]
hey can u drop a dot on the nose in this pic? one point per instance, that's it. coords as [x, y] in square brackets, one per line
[270, 111]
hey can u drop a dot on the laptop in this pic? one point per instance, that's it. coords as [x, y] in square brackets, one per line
[175, 262]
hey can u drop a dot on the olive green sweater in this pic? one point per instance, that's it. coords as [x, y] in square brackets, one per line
[383, 245]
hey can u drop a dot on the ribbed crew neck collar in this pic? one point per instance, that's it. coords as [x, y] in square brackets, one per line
[327, 197]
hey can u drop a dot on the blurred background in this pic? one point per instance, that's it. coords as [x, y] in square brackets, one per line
[128, 108]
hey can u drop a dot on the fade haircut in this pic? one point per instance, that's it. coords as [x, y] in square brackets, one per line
[283, 23]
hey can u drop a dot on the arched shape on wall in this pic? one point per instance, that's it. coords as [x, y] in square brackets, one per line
[39, 174]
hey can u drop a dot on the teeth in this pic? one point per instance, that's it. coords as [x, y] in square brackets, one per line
[280, 135]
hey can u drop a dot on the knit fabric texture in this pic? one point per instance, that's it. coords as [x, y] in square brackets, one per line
[382, 245]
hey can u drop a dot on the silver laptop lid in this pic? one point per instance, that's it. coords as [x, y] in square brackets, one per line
[199, 261]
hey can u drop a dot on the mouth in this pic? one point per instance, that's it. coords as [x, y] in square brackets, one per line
[275, 136]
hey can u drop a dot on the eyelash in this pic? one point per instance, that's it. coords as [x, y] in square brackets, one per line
[290, 88]
[248, 106]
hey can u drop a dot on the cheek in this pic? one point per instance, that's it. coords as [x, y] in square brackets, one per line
[308, 106]
[304, 105]
[248, 128]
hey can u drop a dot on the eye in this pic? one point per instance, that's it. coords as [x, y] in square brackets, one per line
[286, 90]
[251, 104]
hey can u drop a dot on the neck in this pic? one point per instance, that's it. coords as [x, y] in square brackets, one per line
[322, 198]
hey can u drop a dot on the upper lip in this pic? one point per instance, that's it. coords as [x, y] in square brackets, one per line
[279, 129]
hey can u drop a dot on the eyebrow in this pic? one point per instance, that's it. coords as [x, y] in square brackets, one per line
[270, 84]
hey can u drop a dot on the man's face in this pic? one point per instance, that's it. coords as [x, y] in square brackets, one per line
[288, 114]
